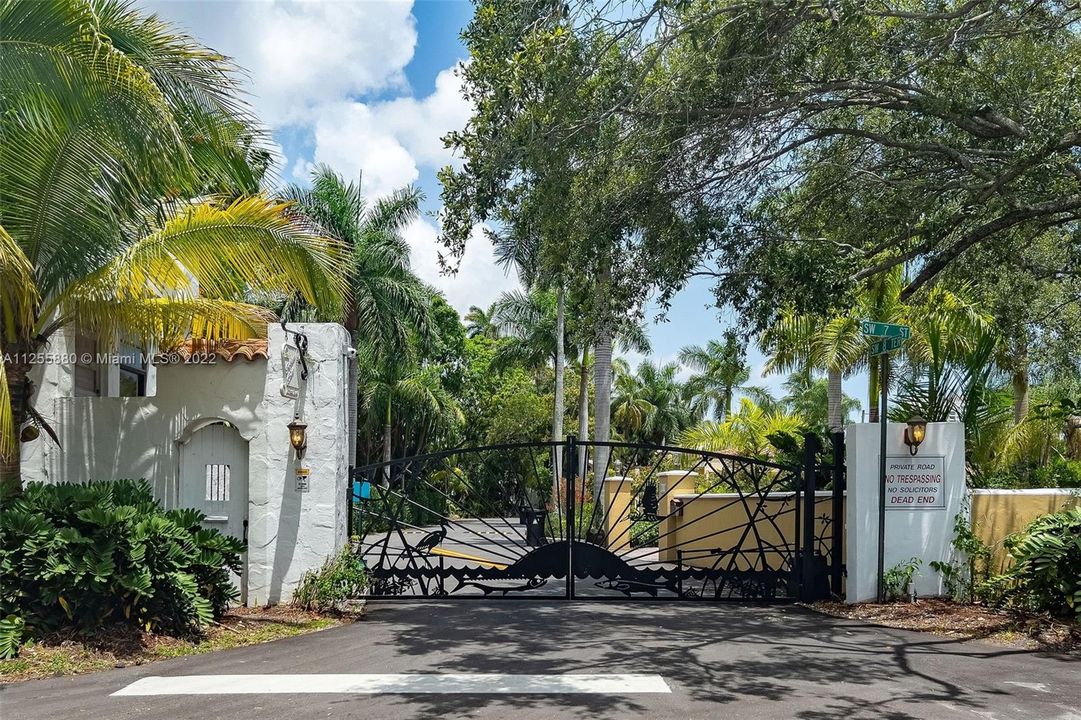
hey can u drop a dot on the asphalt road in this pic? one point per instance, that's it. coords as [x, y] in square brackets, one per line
[720, 661]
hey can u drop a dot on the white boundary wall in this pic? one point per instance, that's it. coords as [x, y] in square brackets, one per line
[289, 531]
[926, 534]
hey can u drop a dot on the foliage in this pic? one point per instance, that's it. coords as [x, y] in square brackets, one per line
[83, 555]
[1058, 473]
[1046, 575]
[340, 578]
[651, 406]
[386, 303]
[721, 369]
[644, 533]
[129, 193]
[964, 577]
[897, 580]
[861, 128]
[752, 431]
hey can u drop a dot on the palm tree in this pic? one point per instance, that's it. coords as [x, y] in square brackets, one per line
[411, 390]
[387, 302]
[520, 248]
[798, 343]
[650, 405]
[527, 325]
[722, 369]
[752, 431]
[807, 396]
[129, 177]
[481, 323]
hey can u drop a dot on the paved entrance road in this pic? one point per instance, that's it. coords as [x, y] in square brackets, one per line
[720, 661]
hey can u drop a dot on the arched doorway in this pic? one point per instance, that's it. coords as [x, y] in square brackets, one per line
[214, 479]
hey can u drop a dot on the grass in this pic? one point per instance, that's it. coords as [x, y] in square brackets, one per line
[120, 646]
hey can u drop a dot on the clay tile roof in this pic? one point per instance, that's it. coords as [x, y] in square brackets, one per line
[195, 352]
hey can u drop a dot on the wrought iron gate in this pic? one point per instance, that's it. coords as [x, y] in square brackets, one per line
[589, 520]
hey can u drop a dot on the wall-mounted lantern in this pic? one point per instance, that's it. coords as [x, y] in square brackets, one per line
[298, 436]
[915, 432]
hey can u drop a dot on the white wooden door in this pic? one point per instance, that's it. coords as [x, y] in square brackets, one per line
[214, 479]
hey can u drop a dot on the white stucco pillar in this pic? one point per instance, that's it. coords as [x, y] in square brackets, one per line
[925, 493]
[296, 526]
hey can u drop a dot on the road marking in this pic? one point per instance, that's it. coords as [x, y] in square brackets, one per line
[372, 684]
[1038, 687]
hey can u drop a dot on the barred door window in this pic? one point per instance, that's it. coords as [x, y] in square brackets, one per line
[217, 483]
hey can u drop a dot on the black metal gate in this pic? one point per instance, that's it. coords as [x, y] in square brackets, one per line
[591, 521]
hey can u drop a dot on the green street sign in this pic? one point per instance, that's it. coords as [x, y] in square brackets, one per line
[879, 347]
[885, 330]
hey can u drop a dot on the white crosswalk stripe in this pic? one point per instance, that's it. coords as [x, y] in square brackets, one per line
[411, 683]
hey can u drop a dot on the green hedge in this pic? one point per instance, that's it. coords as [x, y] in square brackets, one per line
[87, 555]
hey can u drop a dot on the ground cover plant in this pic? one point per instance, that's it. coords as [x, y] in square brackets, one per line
[83, 556]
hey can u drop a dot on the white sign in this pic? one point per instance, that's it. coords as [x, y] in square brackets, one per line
[302, 480]
[915, 483]
[290, 372]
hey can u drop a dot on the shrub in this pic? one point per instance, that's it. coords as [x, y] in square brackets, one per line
[964, 578]
[1046, 575]
[1058, 473]
[644, 533]
[340, 578]
[85, 555]
[897, 580]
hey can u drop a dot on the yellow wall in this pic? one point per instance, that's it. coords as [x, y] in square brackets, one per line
[712, 521]
[997, 514]
[719, 520]
[617, 508]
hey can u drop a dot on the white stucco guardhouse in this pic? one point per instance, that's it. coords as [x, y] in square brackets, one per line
[207, 426]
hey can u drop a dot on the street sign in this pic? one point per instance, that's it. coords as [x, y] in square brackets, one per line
[885, 330]
[880, 347]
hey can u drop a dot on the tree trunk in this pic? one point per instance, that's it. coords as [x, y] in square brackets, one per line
[583, 411]
[1020, 394]
[602, 406]
[558, 402]
[17, 388]
[834, 401]
[387, 438]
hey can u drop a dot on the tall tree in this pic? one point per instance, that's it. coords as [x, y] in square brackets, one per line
[528, 77]
[116, 129]
[926, 150]
[387, 302]
[388, 306]
[480, 322]
[722, 369]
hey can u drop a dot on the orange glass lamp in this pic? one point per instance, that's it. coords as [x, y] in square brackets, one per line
[298, 436]
[915, 432]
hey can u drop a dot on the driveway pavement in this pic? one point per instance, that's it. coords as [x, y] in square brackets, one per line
[718, 661]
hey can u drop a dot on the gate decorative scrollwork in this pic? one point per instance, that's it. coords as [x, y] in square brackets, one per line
[596, 520]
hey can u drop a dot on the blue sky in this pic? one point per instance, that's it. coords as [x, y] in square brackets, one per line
[368, 87]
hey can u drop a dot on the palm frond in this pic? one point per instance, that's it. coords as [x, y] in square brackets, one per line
[18, 292]
[225, 252]
[8, 441]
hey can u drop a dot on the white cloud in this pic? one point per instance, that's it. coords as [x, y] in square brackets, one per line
[420, 124]
[300, 54]
[389, 141]
[479, 280]
[352, 140]
[313, 66]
